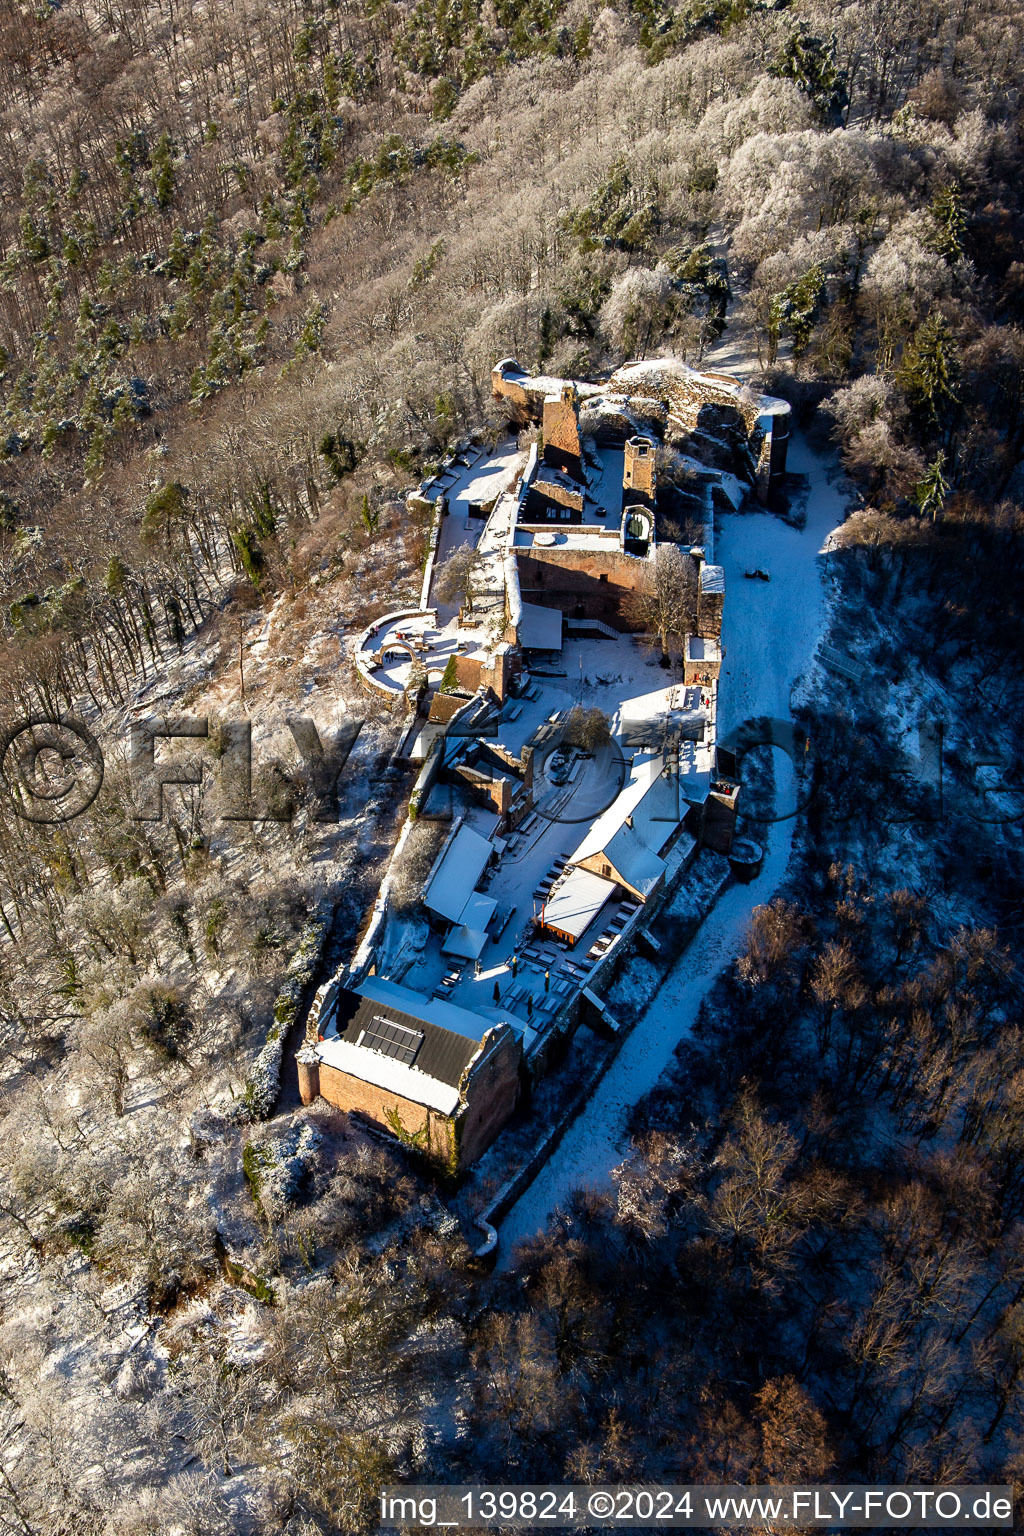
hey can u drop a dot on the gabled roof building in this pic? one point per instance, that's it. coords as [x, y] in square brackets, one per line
[441, 1078]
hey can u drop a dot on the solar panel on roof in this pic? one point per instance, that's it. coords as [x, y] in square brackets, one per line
[391, 1039]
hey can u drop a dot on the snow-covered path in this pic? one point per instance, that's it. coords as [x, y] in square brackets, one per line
[770, 633]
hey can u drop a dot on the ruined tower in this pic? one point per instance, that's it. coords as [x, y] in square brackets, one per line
[562, 431]
[639, 478]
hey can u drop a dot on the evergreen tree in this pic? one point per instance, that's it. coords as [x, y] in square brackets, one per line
[929, 371]
[947, 210]
[161, 170]
[931, 491]
[796, 307]
[812, 65]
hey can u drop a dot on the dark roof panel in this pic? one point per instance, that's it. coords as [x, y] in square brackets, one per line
[443, 1055]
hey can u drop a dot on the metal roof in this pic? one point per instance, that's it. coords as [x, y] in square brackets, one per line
[445, 1054]
[452, 883]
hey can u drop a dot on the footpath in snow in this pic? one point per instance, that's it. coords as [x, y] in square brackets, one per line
[770, 632]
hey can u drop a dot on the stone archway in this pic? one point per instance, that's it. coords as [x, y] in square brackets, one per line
[391, 651]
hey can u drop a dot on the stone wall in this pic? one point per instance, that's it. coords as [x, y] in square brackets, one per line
[702, 662]
[508, 384]
[710, 601]
[639, 476]
[762, 423]
[718, 817]
[583, 583]
[546, 498]
[429, 1130]
[497, 792]
[761, 419]
[504, 670]
[489, 1089]
[496, 672]
[491, 1093]
[561, 427]
[443, 706]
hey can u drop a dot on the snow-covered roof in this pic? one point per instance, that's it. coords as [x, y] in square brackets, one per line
[469, 935]
[645, 772]
[461, 867]
[479, 910]
[666, 802]
[385, 1072]
[384, 1033]
[632, 859]
[575, 903]
[432, 1010]
[464, 942]
[638, 824]
[540, 628]
[593, 536]
[712, 578]
[699, 649]
[426, 735]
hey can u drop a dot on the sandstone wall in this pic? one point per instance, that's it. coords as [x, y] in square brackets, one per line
[762, 420]
[491, 1095]
[639, 471]
[562, 431]
[490, 1091]
[582, 583]
[434, 1132]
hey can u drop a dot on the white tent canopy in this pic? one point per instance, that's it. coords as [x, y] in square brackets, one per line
[456, 877]
[541, 628]
[465, 943]
[575, 903]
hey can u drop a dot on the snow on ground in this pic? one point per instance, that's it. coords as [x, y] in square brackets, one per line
[770, 633]
[770, 629]
[481, 480]
[624, 679]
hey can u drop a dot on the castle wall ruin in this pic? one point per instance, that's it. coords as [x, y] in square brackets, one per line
[583, 583]
[639, 476]
[561, 428]
[762, 421]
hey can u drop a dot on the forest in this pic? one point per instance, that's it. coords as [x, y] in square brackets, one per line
[256, 263]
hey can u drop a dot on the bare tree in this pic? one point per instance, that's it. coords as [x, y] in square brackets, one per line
[455, 578]
[665, 600]
[107, 1044]
[221, 1400]
[587, 728]
[775, 932]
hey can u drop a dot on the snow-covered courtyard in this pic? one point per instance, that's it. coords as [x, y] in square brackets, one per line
[523, 974]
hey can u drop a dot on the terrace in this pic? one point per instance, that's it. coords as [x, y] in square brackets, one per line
[394, 650]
